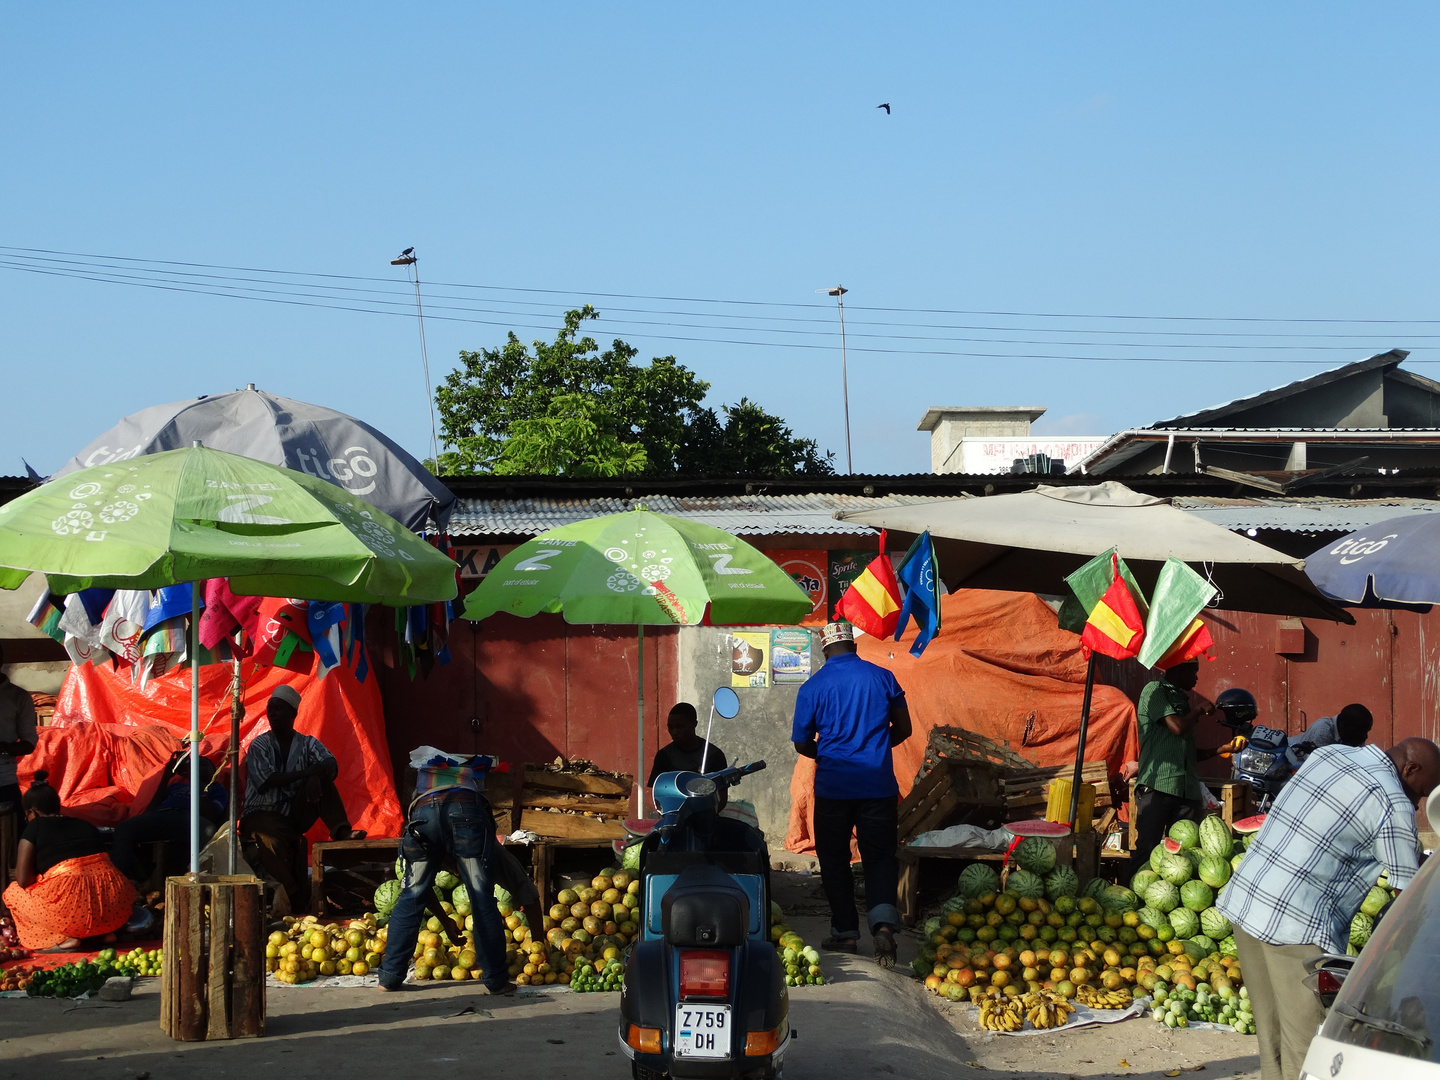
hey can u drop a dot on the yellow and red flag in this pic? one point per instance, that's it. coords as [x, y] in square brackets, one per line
[1115, 626]
[1194, 642]
[872, 602]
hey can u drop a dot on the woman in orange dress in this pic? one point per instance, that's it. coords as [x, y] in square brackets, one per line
[66, 889]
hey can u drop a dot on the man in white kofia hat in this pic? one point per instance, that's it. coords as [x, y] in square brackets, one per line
[847, 717]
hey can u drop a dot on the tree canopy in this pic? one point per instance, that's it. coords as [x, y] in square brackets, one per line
[567, 408]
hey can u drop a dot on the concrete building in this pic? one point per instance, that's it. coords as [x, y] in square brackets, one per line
[985, 439]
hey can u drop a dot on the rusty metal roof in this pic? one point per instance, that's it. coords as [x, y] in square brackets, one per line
[743, 515]
[1302, 515]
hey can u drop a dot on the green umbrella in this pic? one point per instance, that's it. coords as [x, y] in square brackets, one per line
[640, 568]
[190, 515]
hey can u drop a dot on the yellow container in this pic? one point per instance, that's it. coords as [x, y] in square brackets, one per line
[1057, 806]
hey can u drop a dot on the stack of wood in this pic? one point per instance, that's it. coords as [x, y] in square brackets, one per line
[566, 805]
[1026, 791]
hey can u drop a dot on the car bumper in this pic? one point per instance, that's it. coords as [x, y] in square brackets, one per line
[1331, 1060]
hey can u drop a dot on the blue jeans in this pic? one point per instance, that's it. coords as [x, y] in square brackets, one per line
[456, 823]
[873, 822]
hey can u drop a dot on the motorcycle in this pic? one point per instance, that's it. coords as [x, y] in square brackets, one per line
[704, 990]
[1266, 761]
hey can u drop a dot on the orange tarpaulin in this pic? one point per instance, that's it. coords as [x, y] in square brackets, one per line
[1002, 667]
[108, 742]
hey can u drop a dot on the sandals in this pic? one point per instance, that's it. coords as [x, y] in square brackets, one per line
[884, 947]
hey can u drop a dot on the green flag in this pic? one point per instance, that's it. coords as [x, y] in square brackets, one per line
[1088, 585]
[1180, 595]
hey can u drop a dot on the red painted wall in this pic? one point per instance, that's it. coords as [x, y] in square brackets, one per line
[531, 690]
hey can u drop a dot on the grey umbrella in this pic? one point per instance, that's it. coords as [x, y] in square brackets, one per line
[293, 434]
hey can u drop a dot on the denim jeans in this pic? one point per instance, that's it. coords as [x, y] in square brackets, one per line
[456, 823]
[874, 823]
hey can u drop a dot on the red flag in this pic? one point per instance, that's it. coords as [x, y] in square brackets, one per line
[1194, 642]
[872, 602]
[1115, 626]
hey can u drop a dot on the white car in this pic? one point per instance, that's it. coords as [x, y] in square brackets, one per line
[1380, 1024]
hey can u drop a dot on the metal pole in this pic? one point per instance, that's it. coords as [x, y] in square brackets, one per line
[1080, 745]
[709, 726]
[425, 362]
[194, 729]
[844, 376]
[237, 711]
[640, 729]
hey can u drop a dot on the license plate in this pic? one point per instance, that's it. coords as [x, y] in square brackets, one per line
[702, 1031]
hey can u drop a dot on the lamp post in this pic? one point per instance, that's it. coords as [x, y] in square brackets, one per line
[409, 259]
[839, 292]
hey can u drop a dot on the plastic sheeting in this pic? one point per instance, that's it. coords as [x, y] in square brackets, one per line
[108, 742]
[1002, 667]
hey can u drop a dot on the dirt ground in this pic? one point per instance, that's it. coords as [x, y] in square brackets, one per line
[863, 1022]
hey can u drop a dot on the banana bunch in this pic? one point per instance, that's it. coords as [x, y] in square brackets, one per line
[1103, 999]
[1001, 1014]
[1046, 1010]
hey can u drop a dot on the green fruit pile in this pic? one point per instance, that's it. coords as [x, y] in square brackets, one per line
[802, 963]
[1377, 901]
[136, 961]
[72, 980]
[586, 980]
[1177, 1006]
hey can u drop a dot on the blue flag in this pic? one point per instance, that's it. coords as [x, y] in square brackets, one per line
[920, 576]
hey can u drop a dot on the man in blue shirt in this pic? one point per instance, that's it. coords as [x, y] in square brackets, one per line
[847, 717]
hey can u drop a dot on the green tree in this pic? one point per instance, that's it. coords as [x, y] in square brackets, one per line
[570, 409]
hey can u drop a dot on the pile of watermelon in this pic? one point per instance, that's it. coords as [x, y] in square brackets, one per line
[1179, 887]
[1377, 901]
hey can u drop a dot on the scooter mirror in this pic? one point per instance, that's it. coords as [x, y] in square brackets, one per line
[727, 702]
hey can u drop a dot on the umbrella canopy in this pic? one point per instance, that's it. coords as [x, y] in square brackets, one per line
[1029, 542]
[189, 515]
[307, 438]
[1392, 562]
[640, 568]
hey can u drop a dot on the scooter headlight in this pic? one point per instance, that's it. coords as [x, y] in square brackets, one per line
[1255, 762]
[699, 787]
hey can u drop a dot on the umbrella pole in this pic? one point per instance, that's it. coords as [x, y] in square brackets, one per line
[1080, 744]
[640, 727]
[194, 728]
[237, 710]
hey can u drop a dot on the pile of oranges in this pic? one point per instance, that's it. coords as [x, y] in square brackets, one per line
[308, 949]
[587, 926]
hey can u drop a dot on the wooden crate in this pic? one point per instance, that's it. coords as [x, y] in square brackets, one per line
[1027, 791]
[951, 786]
[344, 871]
[561, 806]
[214, 981]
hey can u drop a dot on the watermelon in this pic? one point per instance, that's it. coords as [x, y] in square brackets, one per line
[631, 858]
[932, 926]
[1227, 946]
[1023, 883]
[1249, 825]
[386, 896]
[446, 881]
[1235, 861]
[1185, 833]
[1214, 924]
[1142, 880]
[955, 905]
[1361, 926]
[1062, 881]
[1197, 896]
[1094, 888]
[1164, 897]
[1205, 943]
[1184, 922]
[1375, 901]
[977, 879]
[1153, 917]
[1036, 854]
[1116, 900]
[1194, 950]
[1175, 869]
[1214, 871]
[1215, 838]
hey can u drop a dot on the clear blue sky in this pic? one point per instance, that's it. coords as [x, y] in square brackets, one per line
[1231, 161]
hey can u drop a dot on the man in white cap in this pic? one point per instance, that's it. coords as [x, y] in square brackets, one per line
[848, 715]
[289, 784]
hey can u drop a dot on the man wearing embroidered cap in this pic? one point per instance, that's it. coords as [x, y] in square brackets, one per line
[289, 784]
[848, 715]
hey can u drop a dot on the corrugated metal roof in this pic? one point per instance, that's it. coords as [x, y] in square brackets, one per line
[1302, 515]
[743, 515]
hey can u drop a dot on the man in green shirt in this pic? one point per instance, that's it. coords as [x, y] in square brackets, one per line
[1167, 786]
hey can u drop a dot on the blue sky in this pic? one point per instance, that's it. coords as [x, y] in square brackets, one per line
[1213, 162]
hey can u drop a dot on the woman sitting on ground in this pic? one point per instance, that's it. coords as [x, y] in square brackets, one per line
[66, 889]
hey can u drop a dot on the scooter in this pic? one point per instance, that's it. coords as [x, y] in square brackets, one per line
[1267, 761]
[704, 991]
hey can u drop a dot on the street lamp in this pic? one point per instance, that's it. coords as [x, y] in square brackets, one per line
[839, 292]
[408, 258]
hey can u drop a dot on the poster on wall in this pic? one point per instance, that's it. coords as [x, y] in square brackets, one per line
[845, 567]
[750, 659]
[789, 655]
[811, 571]
[475, 561]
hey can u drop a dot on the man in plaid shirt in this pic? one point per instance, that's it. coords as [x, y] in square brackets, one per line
[1346, 817]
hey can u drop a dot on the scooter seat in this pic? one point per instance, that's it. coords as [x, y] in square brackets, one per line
[705, 908]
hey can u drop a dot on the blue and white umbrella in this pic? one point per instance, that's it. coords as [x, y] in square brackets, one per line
[1396, 561]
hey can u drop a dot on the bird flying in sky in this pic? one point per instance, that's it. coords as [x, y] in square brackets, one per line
[885, 106]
